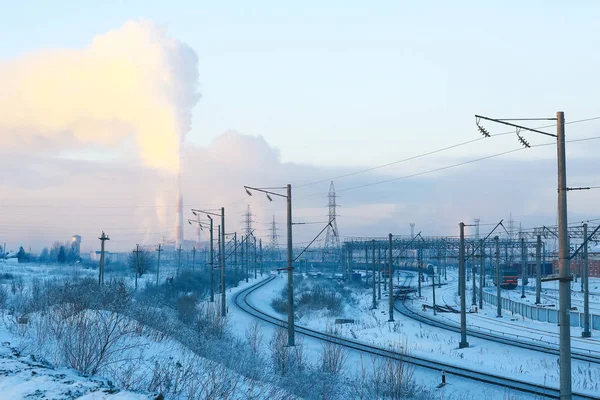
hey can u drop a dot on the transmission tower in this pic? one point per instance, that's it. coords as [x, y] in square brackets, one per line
[273, 247]
[248, 221]
[332, 238]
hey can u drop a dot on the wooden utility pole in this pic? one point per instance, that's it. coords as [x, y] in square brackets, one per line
[102, 238]
[159, 250]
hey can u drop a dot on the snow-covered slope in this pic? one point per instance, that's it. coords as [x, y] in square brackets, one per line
[24, 376]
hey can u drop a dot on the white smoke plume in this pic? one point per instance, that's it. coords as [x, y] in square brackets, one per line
[135, 81]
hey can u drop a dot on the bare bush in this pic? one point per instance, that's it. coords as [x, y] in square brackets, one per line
[279, 351]
[209, 320]
[333, 357]
[3, 297]
[94, 339]
[254, 337]
[186, 308]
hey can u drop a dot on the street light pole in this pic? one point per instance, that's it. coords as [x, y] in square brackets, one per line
[290, 260]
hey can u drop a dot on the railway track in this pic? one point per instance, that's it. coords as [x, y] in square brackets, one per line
[241, 301]
[510, 340]
[577, 353]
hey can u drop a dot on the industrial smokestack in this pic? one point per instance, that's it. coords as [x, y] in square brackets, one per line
[179, 214]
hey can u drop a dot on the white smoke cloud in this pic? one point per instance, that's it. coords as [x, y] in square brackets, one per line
[131, 82]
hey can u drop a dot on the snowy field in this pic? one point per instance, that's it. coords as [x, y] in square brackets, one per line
[151, 348]
[371, 326]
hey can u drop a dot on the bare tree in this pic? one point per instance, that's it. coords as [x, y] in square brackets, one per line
[141, 262]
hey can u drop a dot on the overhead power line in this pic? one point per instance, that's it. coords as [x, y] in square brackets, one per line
[449, 166]
[487, 135]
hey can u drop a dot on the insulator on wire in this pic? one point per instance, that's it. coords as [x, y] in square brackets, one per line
[483, 131]
[523, 141]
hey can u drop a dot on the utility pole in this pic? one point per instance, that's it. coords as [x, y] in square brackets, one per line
[481, 273]
[223, 294]
[159, 250]
[291, 330]
[563, 265]
[219, 254]
[137, 264]
[367, 264]
[391, 280]
[419, 265]
[235, 260]
[255, 257]
[538, 269]
[585, 277]
[179, 250]
[212, 261]
[433, 286]
[247, 259]
[379, 272]
[193, 258]
[102, 238]
[474, 297]
[290, 255]
[374, 277]
[498, 281]
[261, 258]
[242, 243]
[523, 265]
[461, 278]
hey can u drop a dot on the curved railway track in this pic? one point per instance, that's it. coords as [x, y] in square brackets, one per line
[547, 348]
[241, 301]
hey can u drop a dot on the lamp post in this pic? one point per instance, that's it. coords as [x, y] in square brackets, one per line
[222, 258]
[565, 276]
[290, 267]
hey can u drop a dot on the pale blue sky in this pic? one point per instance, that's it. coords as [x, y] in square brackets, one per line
[342, 85]
[375, 81]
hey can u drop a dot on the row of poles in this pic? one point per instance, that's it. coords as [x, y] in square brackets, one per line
[564, 277]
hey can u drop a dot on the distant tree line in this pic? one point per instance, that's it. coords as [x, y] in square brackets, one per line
[61, 253]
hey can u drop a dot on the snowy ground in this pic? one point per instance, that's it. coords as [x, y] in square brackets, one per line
[26, 374]
[518, 363]
[372, 327]
[28, 377]
[511, 325]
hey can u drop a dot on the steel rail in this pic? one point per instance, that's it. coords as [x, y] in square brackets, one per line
[241, 301]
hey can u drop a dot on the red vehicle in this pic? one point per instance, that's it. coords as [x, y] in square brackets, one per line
[509, 279]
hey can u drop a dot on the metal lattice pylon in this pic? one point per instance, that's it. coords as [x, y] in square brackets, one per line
[332, 237]
[273, 247]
